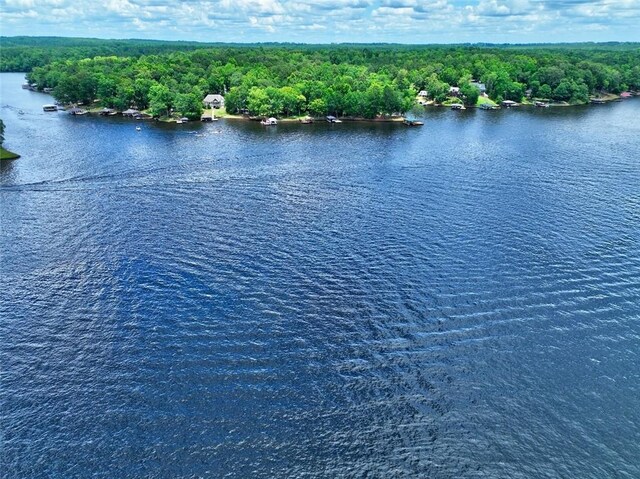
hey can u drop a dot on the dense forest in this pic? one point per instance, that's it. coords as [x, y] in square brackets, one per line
[23, 54]
[344, 80]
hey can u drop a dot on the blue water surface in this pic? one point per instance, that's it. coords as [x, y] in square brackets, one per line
[460, 300]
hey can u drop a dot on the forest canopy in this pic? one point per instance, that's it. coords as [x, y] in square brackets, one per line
[343, 80]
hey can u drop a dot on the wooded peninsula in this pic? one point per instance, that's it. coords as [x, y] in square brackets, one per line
[286, 80]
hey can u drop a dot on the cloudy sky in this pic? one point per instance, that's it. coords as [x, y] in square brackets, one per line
[325, 21]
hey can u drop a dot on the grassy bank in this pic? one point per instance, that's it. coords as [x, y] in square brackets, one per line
[485, 101]
[7, 155]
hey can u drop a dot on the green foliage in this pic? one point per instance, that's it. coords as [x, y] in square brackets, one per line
[571, 91]
[161, 100]
[438, 90]
[318, 107]
[189, 104]
[288, 80]
[545, 91]
[469, 94]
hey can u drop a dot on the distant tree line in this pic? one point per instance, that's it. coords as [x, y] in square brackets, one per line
[346, 80]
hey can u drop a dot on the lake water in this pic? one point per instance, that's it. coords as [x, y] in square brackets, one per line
[460, 300]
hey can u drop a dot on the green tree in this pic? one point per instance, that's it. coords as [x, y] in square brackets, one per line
[292, 100]
[189, 104]
[235, 100]
[161, 100]
[438, 90]
[258, 102]
[563, 91]
[469, 94]
[545, 91]
[317, 107]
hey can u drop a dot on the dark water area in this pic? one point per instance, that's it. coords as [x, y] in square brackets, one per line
[460, 300]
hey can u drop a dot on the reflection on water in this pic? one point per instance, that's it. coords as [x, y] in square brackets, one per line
[356, 300]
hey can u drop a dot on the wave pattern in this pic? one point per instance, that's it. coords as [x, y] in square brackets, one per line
[369, 301]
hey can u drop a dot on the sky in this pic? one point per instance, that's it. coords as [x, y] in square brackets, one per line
[328, 21]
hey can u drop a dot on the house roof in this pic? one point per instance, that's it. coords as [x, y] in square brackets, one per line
[211, 97]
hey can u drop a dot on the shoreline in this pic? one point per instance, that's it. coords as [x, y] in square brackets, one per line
[7, 155]
[222, 114]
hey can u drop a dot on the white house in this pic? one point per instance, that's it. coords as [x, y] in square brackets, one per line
[213, 101]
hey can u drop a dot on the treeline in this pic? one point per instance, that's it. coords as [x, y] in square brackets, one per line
[359, 81]
[23, 54]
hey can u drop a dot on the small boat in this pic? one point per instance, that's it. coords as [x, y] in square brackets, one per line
[541, 104]
[458, 106]
[26, 86]
[77, 111]
[50, 107]
[412, 122]
[138, 128]
[20, 112]
[179, 121]
[184, 119]
[269, 121]
[333, 119]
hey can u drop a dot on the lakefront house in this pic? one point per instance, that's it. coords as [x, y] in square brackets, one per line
[213, 101]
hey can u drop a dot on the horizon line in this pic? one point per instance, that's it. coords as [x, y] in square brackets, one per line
[608, 42]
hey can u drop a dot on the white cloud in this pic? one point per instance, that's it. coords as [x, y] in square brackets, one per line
[407, 21]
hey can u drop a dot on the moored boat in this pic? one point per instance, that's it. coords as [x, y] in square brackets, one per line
[77, 111]
[50, 107]
[269, 121]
